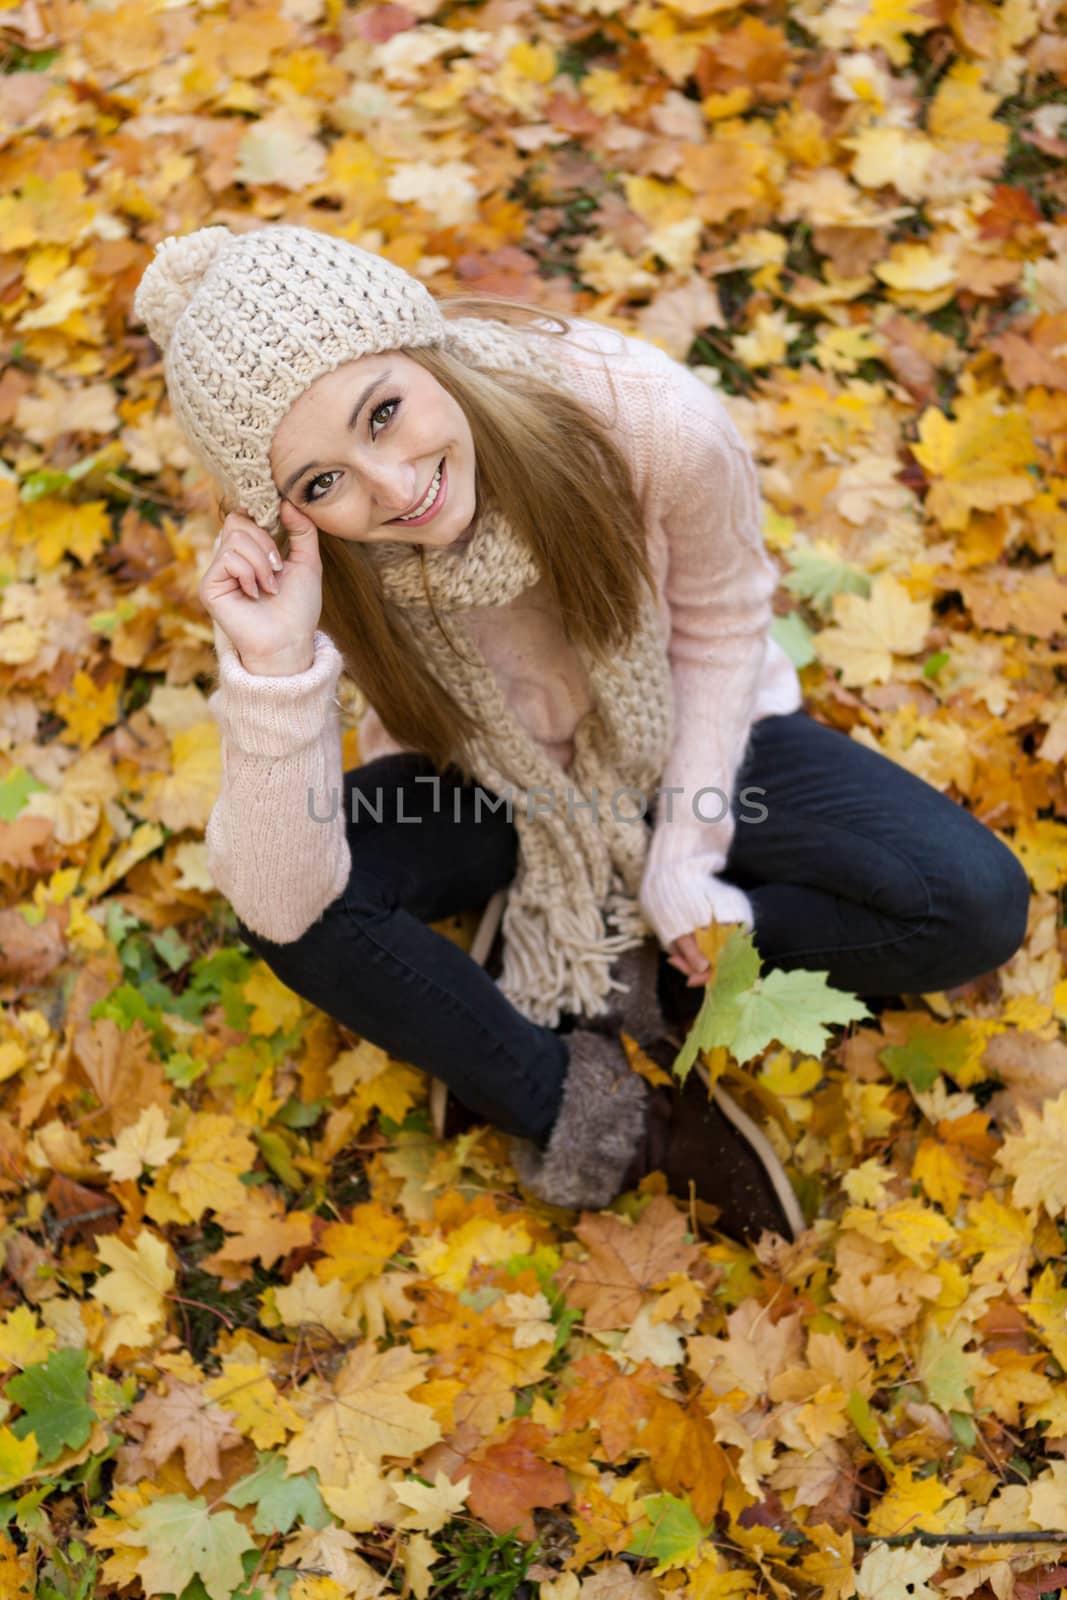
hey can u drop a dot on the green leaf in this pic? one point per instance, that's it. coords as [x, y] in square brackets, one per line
[911, 1063]
[745, 1013]
[674, 1534]
[963, 1429]
[933, 664]
[54, 1396]
[15, 790]
[183, 1541]
[932, 1048]
[120, 923]
[795, 638]
[866, 1425]
[171, 948]
[276, 1154]
[182, 1070]
[127, 1004]
[297, 1114]
[946, 1371]
[817, 578]
[279, 1501]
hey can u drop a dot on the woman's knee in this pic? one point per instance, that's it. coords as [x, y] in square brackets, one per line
[993, 904]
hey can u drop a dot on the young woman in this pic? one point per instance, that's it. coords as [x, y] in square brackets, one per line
[536, 550]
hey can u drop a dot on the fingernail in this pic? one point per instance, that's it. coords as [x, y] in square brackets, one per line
[276, 561]
[272, 585]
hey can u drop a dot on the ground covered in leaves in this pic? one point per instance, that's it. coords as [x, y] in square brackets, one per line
[262, 1335]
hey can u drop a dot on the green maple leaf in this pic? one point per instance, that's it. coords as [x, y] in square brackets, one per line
[817, 578]
[16, 790]
[183, 1541]
[931, 1050]
[911, 1063]
[279, 1501]
[947, 1371]
[54, 1395]
[745, 1013]
[795, 638]
[674, 1534]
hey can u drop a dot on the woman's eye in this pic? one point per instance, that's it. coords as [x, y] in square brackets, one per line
[383, 407]
[308, 494]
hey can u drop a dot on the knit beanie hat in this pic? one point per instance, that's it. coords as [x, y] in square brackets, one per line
[247, 321]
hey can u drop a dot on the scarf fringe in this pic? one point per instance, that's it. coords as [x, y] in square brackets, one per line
[558, 959]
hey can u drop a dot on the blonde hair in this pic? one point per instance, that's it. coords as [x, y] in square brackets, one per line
[566, 488]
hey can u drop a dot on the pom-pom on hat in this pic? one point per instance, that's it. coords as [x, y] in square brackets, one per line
[247, 321]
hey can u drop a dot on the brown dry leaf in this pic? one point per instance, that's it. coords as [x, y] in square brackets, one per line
[122, 1071]
[180, 1417]
[625, 1262]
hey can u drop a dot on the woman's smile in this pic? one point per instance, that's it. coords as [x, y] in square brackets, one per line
[440, 479]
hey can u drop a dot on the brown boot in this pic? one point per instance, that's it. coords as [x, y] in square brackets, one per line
[613, 1128]
[717, 1146]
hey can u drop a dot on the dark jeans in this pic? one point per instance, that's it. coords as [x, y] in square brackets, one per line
[859, 869]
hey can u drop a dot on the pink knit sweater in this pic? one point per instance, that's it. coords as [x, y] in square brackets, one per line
[280, 868]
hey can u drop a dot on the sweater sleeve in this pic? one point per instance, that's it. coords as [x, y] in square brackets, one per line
[719, 585]
[277, 865]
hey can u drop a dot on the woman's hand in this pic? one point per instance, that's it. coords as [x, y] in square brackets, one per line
[686, 956]
[267, 608]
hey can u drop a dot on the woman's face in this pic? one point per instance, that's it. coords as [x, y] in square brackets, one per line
[361, 446]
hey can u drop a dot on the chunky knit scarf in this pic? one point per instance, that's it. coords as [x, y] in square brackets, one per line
[573, 907]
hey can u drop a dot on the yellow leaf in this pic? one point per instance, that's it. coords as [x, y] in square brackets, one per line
[868, 631]
[1048, 1496]
[369, 1413]
[896, 156]
[22, 1341]
[55, 528]
[1041, 846]
[1047, 1310]
[183, 797]
[141, 1144]
[831, 1569]
[889, 22]
[215, 1152]
[867, 1184]
[962, 111]
[918, 267]
[244, 1388]
[450, 1259]
[365, 1498]
[419, 1557]
[276, 1008]
[1003, 1239]
[17, 1458]
[977, 462]
[430, 1508]
[359, 1249]
[392, 1092]
[909, 1503]
[133, 1290]
[87, 709]
[890, 1574]
[942, 1171]
[304, 1302]
[1035, 1157]
[914, 1230]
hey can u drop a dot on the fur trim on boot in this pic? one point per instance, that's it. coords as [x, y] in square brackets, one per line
[600, 1126]
[635, 1010]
